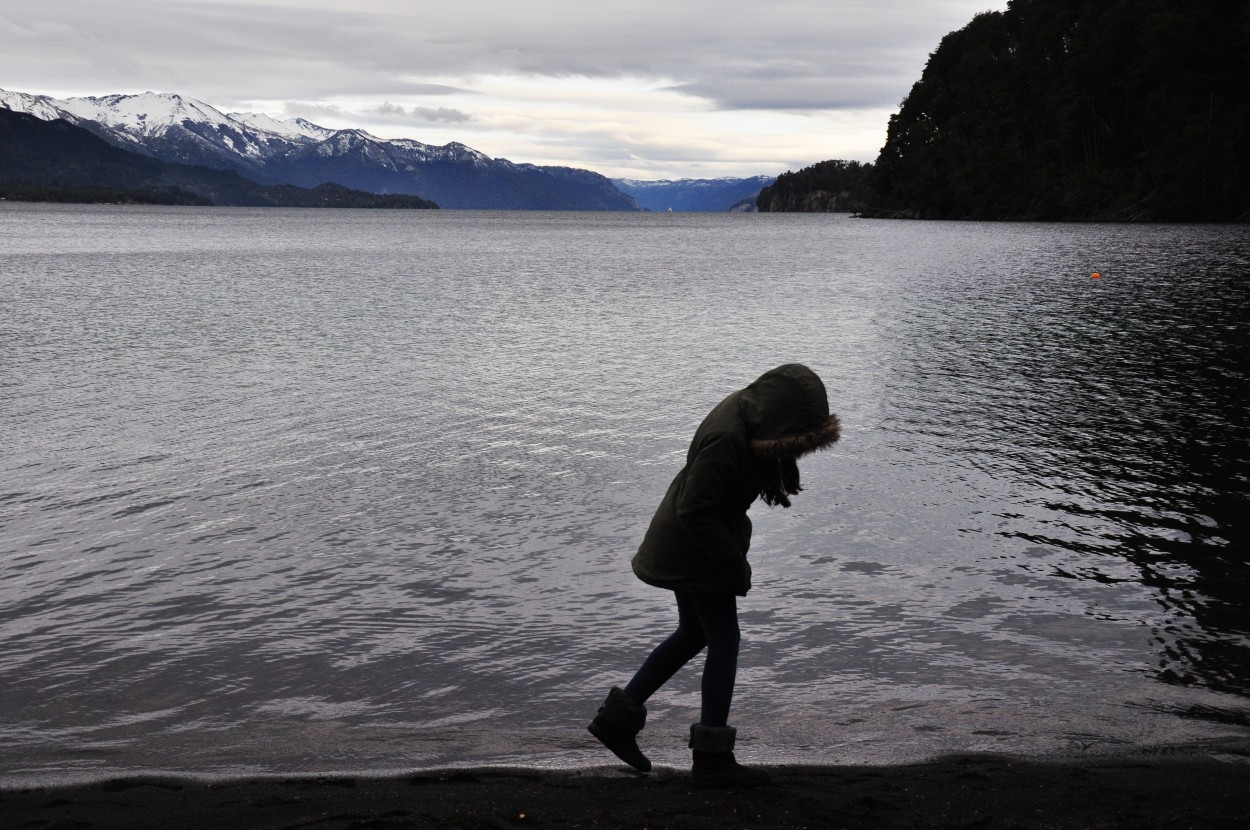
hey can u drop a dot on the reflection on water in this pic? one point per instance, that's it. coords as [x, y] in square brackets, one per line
[1126, 409]
[290, 490]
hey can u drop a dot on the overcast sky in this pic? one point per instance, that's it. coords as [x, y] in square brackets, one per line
[647, 89]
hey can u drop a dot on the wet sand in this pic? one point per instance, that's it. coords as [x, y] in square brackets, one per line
[961, 792]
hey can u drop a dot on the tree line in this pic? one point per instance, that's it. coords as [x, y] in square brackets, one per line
[834, 186]
[1077, 110]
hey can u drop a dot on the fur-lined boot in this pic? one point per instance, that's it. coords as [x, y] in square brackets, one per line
[714, 763]
[618, 723]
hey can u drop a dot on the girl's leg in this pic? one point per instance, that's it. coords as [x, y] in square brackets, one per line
[670, 655]
[718, 617]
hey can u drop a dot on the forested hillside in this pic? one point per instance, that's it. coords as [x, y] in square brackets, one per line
[833, 186]
[1078, 109]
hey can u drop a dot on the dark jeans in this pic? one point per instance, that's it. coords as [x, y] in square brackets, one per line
[709, 620]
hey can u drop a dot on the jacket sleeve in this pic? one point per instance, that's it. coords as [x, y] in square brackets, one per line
[708, 504]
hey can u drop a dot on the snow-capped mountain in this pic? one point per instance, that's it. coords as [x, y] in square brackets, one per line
[175, 128]
[148, 114]
[712, 195]
[53, 159]
[294, 128]
[40, 106]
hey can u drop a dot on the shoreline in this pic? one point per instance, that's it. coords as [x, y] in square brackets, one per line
[973, 791]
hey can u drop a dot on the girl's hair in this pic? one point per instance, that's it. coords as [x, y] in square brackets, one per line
[779, 479]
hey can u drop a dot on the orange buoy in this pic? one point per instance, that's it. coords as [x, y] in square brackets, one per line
[1096, 275]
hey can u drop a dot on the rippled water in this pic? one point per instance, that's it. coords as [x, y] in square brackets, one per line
[290, 491]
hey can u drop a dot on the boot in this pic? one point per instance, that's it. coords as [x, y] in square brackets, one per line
[714, 763]
[619, 721]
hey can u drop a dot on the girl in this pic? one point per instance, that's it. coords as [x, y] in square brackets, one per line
[696, 547]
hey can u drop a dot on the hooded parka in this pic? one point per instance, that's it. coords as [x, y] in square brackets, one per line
[698, 539]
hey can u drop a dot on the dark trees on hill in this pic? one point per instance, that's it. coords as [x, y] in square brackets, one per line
[834, 186]
[1078, 109]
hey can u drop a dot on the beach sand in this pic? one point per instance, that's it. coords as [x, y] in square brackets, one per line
[959, 792]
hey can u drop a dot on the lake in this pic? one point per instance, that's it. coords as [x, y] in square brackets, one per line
[299, 491]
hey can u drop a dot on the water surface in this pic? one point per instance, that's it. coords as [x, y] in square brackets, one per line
[305, 491]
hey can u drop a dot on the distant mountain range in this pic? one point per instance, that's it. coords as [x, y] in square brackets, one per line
[175, 129]
[694, 194]
[59, 162]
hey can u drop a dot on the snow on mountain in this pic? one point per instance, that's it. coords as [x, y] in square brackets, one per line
[148, 114]
[175, 128]
[457, 152]
[40, 106]
[291, 128]
[140, 118]
[238, 137]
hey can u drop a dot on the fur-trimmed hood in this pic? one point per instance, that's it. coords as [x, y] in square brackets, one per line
[700, 534]
[786, 411]
[800, 444]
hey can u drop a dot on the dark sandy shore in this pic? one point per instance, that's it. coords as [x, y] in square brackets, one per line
[969, 792]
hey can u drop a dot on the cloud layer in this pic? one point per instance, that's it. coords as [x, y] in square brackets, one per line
[513, 78]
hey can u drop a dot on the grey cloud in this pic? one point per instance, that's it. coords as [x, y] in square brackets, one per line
[747, 91]
[386, 113]
[394, 112]
[414, 88]
[312, 112]
[212, 50]
[845, 53]
[439, 114]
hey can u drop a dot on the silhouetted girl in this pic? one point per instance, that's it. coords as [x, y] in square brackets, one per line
[696, 547]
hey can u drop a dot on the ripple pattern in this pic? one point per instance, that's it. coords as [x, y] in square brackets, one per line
[351, 490]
